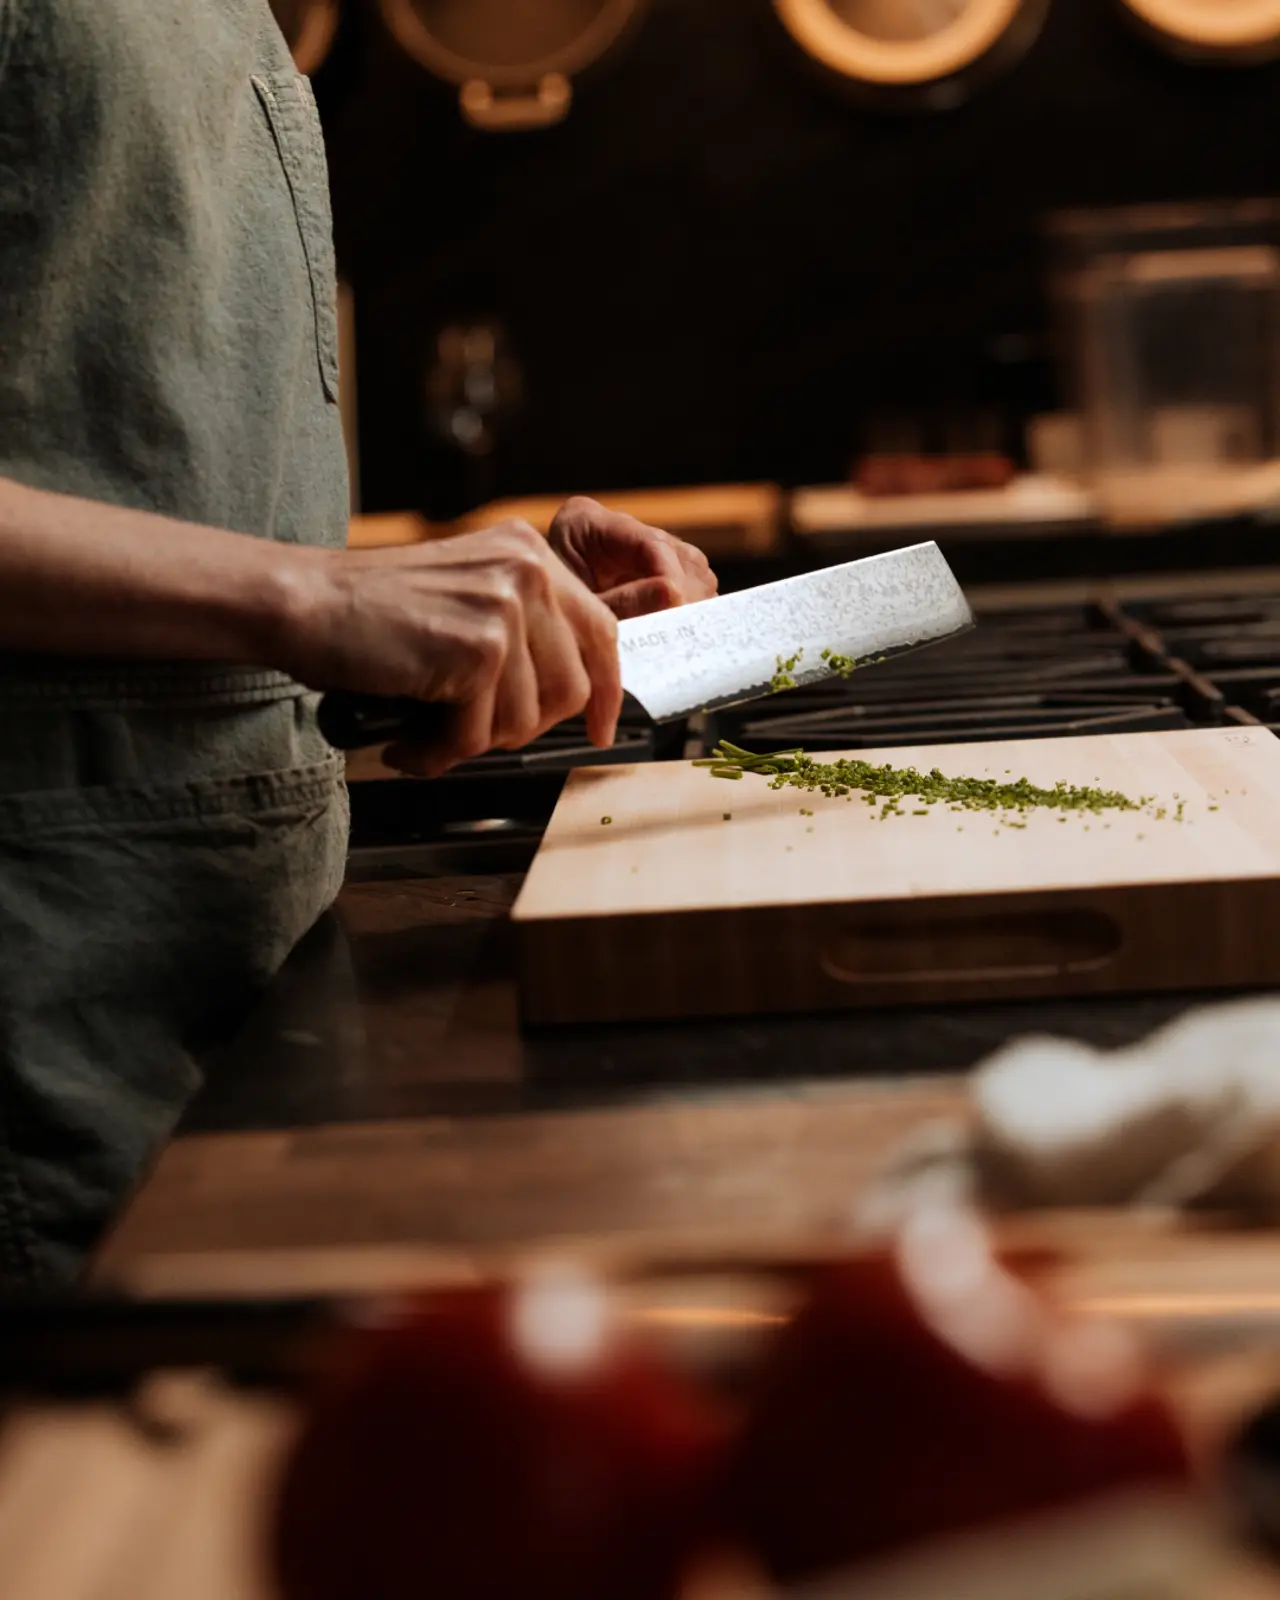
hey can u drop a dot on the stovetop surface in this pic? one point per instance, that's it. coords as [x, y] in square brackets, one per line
[1045, 671]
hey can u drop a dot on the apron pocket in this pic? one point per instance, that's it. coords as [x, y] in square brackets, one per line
[290, 106]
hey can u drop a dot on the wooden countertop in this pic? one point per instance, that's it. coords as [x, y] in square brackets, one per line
[384, 1097]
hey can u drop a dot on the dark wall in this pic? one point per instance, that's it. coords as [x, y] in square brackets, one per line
[719, 269]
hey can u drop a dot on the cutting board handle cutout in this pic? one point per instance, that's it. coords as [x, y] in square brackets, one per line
[967, 947]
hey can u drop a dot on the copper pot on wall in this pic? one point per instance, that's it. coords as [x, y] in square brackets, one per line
[308, 27]
[905, 53]
[513, 61]
[1243, 31]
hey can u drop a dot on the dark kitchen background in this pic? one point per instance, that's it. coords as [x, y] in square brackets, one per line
[723, 265]
[799, 321]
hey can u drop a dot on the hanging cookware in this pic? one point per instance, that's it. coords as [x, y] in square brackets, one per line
[513, 61]
[904, 52]
[1221, 30]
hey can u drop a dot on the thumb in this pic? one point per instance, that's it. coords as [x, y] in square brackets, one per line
[638, 599]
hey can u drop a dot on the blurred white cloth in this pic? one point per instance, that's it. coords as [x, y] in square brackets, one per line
[1188, 1117]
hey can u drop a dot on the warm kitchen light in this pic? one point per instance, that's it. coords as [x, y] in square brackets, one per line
[1214, 25]
[891, 42]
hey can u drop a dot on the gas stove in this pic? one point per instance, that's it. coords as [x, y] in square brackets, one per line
[1234, 643]
[1050, 671]
[1045, 671]
[488, 815]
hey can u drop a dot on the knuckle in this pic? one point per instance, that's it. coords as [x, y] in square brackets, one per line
[577, 690]
[509, 602]
[533, 580]
[579, 507]
[603, 622]
[526, 571]
[566, 692]
[523, 535]
[489, 648]
[500, 595]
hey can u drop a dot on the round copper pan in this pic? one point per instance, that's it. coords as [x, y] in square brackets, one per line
[512, 60]
[929, 53]
[1212, 30]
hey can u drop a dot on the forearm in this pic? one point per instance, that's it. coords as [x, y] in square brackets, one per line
[80, 578]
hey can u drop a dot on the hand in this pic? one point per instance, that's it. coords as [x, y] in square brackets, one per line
[633, 568]
[492, 623]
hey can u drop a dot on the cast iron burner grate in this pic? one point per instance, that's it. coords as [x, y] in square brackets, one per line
[1052, 672]
[489, 814]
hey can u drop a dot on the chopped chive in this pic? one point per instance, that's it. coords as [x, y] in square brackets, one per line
[843, 666]
[783, 678]
[890, 785]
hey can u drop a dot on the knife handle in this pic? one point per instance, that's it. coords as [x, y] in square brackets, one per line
[360, 721]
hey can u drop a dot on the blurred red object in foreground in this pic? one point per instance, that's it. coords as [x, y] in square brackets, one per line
[496, 1442]
[926, 1392]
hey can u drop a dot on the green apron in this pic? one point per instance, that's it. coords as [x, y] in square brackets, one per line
[168, 341]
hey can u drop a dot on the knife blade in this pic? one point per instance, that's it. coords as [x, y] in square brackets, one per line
[728, 650]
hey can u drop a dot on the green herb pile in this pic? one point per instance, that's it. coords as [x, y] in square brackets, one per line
[890, 785]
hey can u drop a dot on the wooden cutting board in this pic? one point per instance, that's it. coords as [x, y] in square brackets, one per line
[704, 897]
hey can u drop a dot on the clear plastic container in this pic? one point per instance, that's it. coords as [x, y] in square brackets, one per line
[1170, 336]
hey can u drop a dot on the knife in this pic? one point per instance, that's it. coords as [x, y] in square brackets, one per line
[729, 650]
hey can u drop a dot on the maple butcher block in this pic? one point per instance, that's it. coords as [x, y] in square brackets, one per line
[703, 897]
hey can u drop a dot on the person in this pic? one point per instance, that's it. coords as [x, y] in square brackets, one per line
[174, 584]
